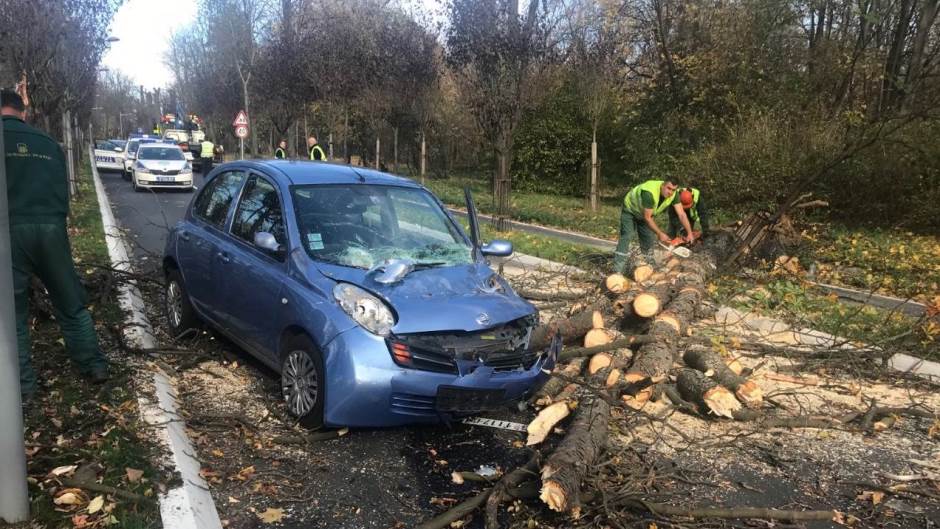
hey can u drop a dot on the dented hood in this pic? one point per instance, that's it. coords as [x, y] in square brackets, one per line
[451, 298]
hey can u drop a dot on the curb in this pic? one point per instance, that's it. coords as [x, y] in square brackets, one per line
[190, 505]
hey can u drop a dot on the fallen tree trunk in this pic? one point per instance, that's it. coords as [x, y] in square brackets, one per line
[571, 329]
[705, 393]
[568, 465]
[708, 361]
[556, 384]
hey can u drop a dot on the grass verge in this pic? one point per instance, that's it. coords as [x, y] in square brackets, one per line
[77, 432]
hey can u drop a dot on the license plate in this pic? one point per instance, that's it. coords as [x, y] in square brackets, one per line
[464, 400]
[104, 159]
[165, 179]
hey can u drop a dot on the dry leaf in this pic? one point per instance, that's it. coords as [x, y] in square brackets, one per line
[96, 504]
[79, 521]
[63, 470]
[133, 475]
[245, 474]
[217, 453]
[233, 500]
[70, 497]
[272, 515]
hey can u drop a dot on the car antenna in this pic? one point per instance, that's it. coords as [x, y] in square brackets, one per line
[362, 177]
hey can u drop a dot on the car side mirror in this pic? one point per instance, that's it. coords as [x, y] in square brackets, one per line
[497, 248]
[118, 149]
[267, 242]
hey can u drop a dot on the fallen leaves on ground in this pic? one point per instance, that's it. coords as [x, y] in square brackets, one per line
[271, 515]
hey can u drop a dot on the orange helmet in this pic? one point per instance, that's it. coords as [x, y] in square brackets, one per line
[685, 197]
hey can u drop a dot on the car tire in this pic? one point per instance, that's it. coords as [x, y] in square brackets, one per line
[180, 314]
[126, 176]
[302, 381]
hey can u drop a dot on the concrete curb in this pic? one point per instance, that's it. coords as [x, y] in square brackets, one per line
[190, 505]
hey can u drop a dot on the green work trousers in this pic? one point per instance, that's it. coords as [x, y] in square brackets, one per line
[43, 250]
[631, 229]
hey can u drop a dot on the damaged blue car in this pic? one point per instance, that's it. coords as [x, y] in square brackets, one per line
[373, 304]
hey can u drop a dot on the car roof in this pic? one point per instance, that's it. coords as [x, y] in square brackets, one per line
[300, 172]
[149, 144]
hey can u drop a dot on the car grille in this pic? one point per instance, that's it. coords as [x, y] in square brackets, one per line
[166, 172]
[168, 183]
[504, 348]
[412, 404]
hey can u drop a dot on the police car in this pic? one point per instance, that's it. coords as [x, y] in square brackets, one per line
[108, 156]
[161, 165]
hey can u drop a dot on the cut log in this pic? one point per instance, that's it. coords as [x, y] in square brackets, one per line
[598, 362]
[545, 421]
[622, 343]
[649, 302]
[642, 273]
[566, 394]
[556, 384]
[617, 283]
[571, 328]
[706, 360]
[596, 337]
[705, 393]
[566, 467]
[597, 320]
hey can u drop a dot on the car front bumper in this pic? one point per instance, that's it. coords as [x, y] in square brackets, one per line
[365, 388]
[149, 180]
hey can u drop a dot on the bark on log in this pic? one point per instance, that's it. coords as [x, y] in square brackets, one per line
[706, 361]
[705, 393]
[622, 343]
[652, 361]
[568, 465]
[556, 384]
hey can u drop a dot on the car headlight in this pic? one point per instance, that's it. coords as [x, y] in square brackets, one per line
[188, 169]
[367, 310]
[139, 167]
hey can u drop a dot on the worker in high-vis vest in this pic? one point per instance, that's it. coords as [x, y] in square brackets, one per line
[691, 200]
[281, 152]
[315, 151]
[640, 205]
[206, 152]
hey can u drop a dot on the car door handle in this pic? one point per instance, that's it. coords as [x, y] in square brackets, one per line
[224, 257]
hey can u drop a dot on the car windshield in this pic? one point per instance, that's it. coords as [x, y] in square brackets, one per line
[365, 225]
[160, 153]
[118, 143]
[132, 146]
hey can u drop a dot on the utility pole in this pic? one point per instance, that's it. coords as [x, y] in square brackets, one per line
[14, 497]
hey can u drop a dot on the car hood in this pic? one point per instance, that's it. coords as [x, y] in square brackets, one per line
[163, 165]
[452, 298]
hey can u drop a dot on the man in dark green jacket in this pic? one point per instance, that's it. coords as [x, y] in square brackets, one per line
[37, 188]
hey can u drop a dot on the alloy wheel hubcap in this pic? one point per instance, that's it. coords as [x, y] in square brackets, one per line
[299, 383]
[174, 303]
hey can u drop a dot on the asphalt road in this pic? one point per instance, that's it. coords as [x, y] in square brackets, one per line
[146, 217]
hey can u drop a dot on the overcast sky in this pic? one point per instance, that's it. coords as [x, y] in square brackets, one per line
[144, 27]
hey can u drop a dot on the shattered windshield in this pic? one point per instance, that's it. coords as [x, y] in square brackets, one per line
[365, 225]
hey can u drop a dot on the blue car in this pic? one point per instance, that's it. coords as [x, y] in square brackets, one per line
[373, 304]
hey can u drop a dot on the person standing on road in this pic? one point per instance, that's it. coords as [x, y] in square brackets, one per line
[281, 152]
[640, 205]
[691, 200]
[314, 150]
[37, 189]
[206, 152]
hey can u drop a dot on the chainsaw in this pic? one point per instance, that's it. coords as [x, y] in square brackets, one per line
[678, 246]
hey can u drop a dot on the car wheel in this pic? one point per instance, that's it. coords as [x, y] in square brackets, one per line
[180, 315]
[126, 175]
[302, 382]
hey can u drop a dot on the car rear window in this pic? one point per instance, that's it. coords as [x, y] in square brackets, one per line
[160, 153]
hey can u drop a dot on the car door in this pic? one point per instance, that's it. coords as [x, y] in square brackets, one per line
[253, 277]
[199, 243]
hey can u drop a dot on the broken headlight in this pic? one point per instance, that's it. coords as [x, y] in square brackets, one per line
[367, 310]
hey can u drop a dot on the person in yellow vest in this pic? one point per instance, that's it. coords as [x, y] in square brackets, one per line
[281, 152]
[315, 151]
[640, 205]
[691, 200]
[206, 152]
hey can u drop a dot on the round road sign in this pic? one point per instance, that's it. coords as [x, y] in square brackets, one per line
[241, 131]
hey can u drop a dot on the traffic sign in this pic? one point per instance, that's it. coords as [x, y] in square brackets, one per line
[241, 131]
[241, 120]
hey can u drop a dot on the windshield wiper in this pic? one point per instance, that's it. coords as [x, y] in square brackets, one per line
[428, 264]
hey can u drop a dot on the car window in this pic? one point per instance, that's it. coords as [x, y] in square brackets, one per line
[213, 202]
[259, 210]
[363, 225]
[106, 145]
[160, 153]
